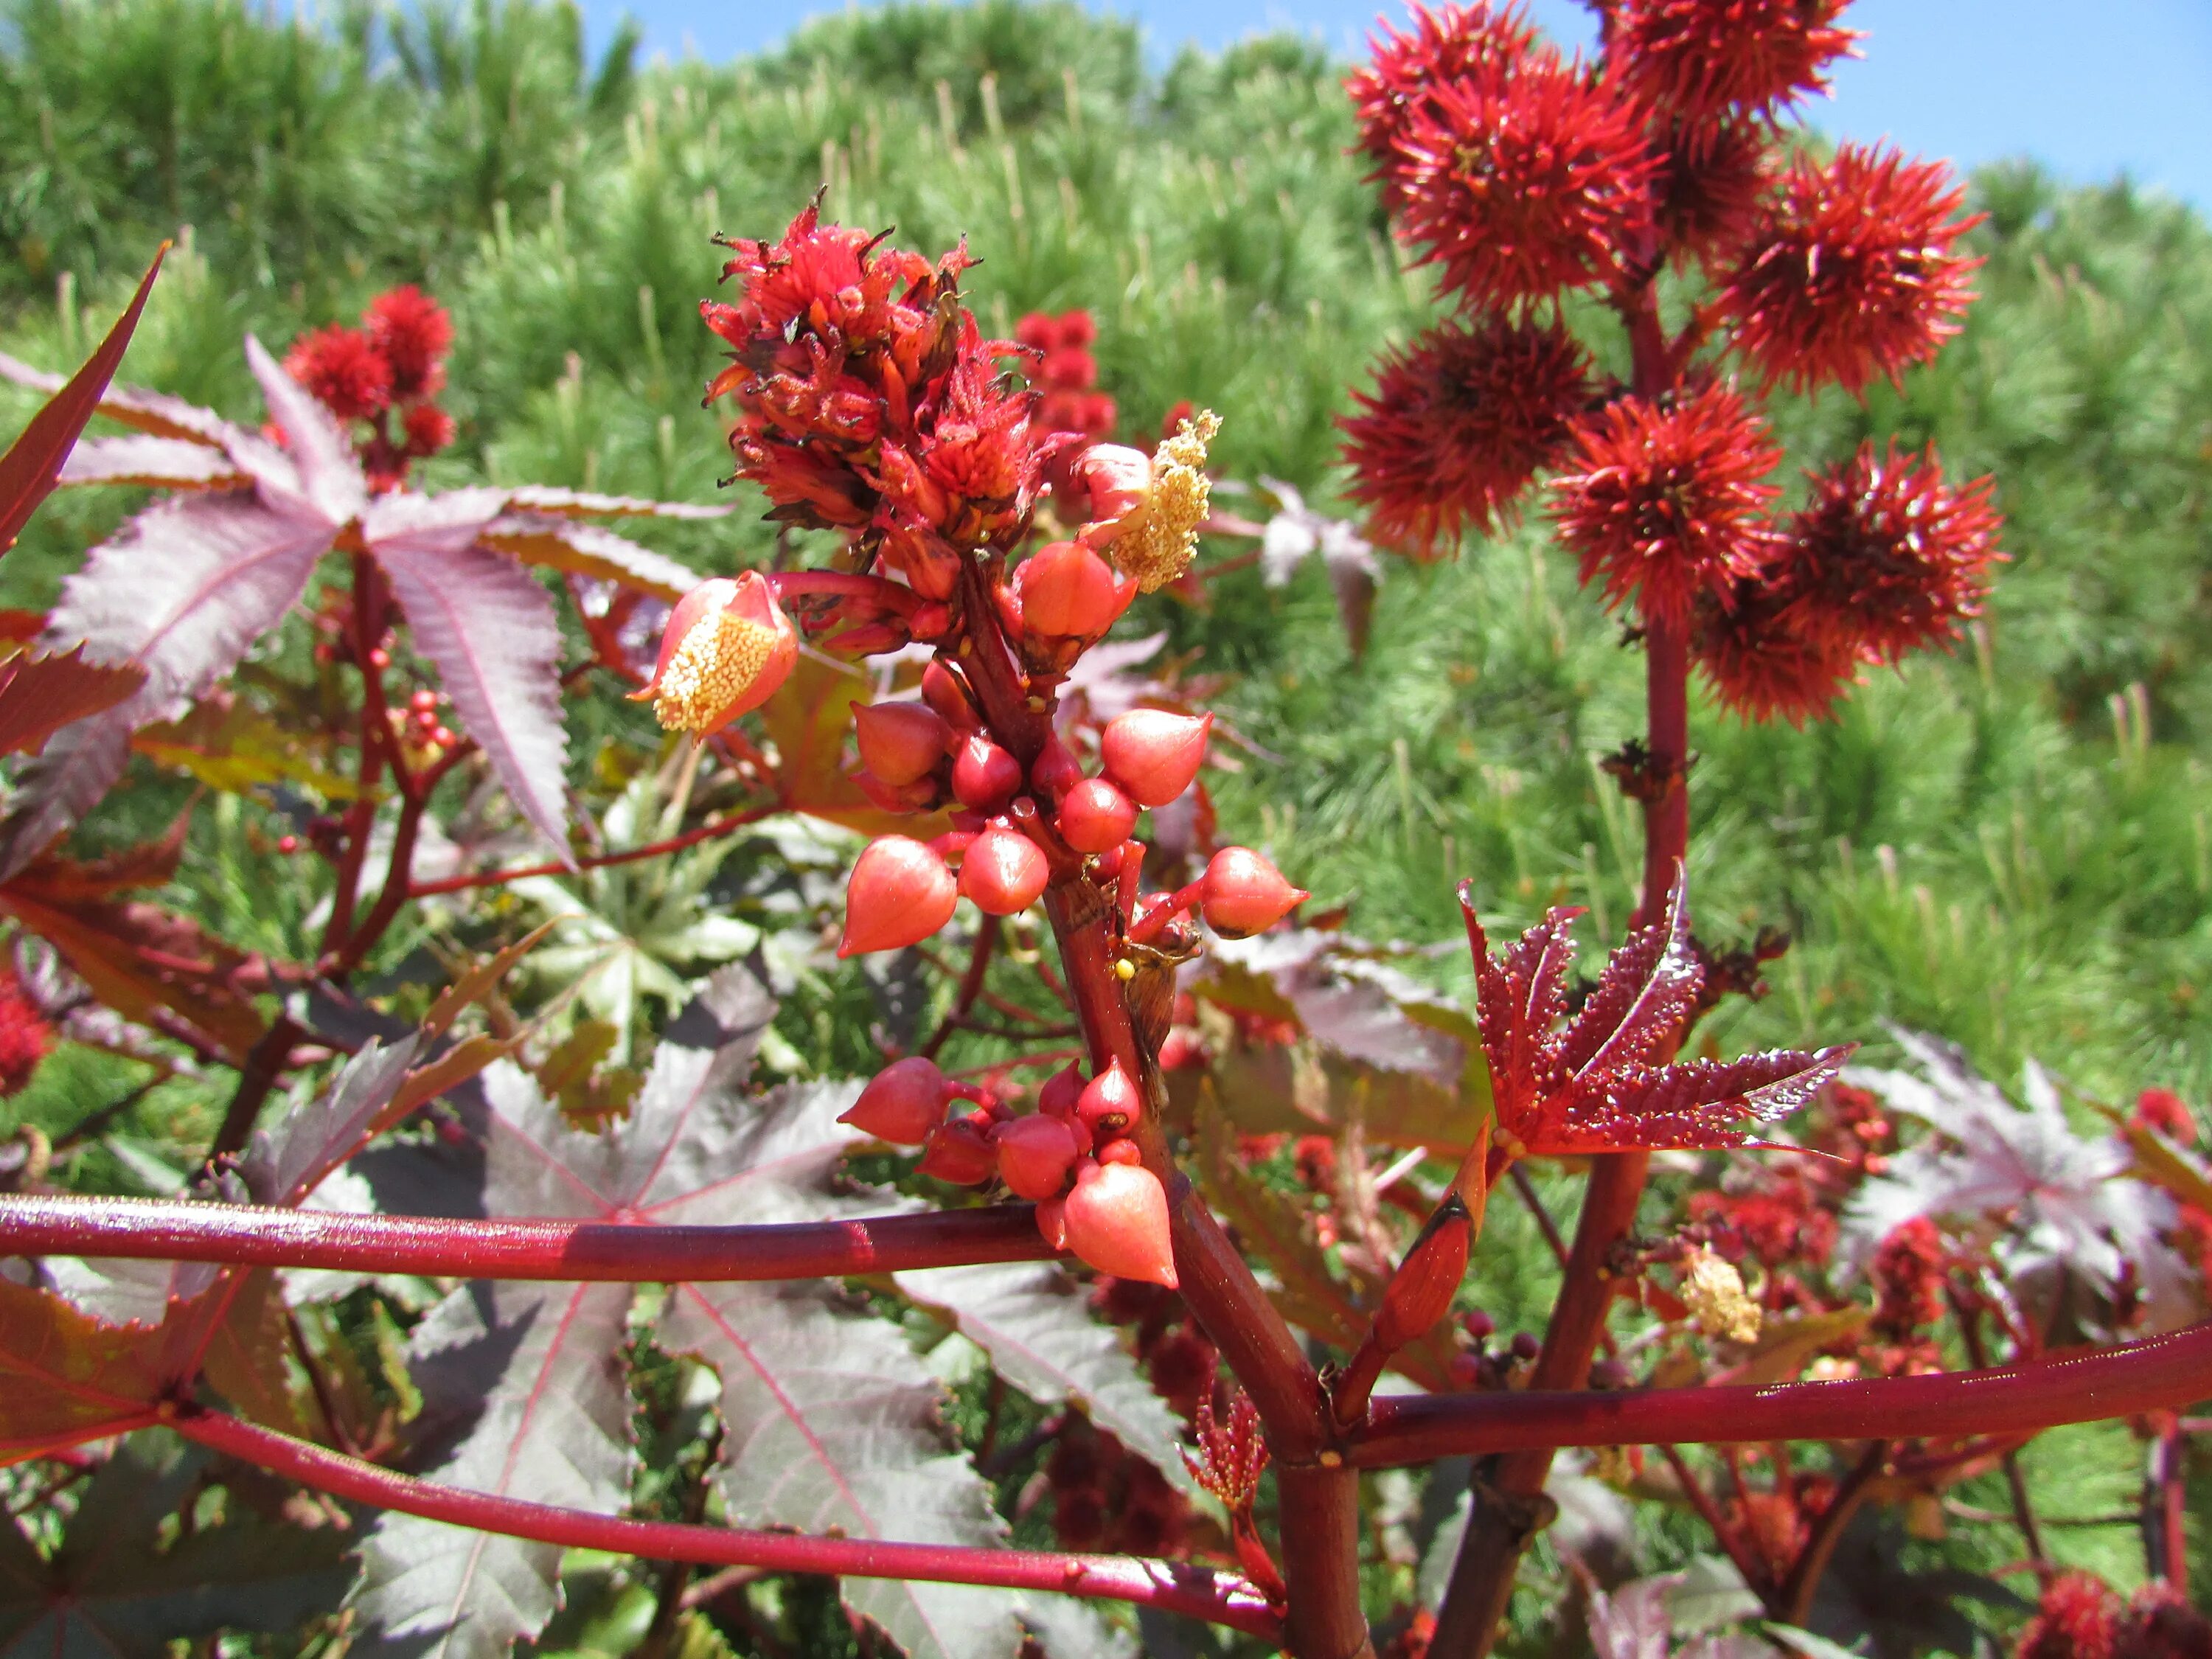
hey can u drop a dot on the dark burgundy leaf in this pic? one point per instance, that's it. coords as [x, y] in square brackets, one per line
[1646, 989]
[154, 462]
[1699, 1104]
[39, 695]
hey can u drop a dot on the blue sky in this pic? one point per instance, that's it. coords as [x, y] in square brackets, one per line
[2091, 87]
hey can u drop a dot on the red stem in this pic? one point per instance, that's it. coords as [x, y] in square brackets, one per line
[246, 1236]
[2159, 1373]
[728, 824]
[1195, 1592]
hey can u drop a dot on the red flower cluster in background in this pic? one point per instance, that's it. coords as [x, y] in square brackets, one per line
[25, 1036]
[388, 372]
[1065, 374]
[1523, 176]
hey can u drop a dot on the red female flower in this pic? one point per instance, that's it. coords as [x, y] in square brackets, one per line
[1456, 426]
[344, 371]
[412, 332]
[1760, 663]
[1667, 502]
[1697, 59]
[1852, 271]
[25, 1036]
[1908, 1275]
[1885, 557]
[429, 429]
[1522, 180]
[2077, 1620]
[1707, 190]
[1453, 44]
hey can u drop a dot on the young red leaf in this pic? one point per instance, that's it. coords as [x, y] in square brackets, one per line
[39, 695]
[33, 461]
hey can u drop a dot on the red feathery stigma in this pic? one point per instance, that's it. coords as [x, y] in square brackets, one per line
[412, 332]
[1523, 180]
[2077, 1619]
[2161, 1624]
[1760, 663]
[1908, 1276]
[429, 429]
[1458, 424]
[1885, 557]
[1666, 503]
[25, 1036]
[1451, 43]
[1699, 59]
[1852, 271]
[343, 370]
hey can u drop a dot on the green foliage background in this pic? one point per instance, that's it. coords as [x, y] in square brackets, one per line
[2012, 847]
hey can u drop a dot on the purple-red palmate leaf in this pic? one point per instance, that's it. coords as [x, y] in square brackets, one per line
[33, 461]
[40, 694]
[153, 463]
[1585, 1085]
[586, 549]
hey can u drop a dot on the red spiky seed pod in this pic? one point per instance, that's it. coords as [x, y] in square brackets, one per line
[1035, 1156]
[1067, 592]
[899, 743]
[1667, 499]
[1886, 558]
[1116, 1219]
[427, 429]
[1760, 663]
[1110, 1104]
[1706, 195]
[344, 371]
[1447, 44]
[2077, 1619]
[959, 1151]
[984, 776]
[1004, 873]
[1700, 59]
[1522, 182]
[412, 332]
[900, 892]
[1457, 426]
[1095, 816]
[1852, 272]
[2161, 1624]
[1152, 755]
[728, 649]
[25, 1036]
[1242, 892]
[902, 1103]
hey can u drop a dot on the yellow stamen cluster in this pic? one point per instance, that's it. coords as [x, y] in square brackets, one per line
[1156, 544]
[1713, 1291]
[720, 656]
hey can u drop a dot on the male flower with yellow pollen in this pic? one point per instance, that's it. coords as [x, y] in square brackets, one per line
[728, 647]
[1713, 1292]
[1146, 512]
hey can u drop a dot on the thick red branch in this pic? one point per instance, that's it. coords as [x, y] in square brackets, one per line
[1195, 1592]
[168, 1230]
[2162, 1372]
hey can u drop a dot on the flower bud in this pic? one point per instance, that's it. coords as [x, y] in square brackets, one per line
[1095, 816]
[1151, 517]
[1035, 1155]
[1119, 480]
[900, 743]
[1420, 1292]
[984, 776]
[1121, 1152]
[899, 894]
[1051, 1223]
[1003, 871]
[1055, 771]
[1116, 1219]
[1060, 1092]
[942, 692]
[917, 796]
[726, 649]
[1111, 1105]
[959, 1151]
[902, 1103]
[1180, 1049]
[1068, 591]
[1154, 755]
[1242, 893]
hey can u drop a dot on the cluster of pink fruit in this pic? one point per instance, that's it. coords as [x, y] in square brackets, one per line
[917, 754]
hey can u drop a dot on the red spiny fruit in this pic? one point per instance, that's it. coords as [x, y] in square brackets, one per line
[412, 332]
[1699, 59]
[2077, 1619]
[346, 374]
[1885, 557]
[1523, 182]
[900, 743]
[1761, 664]
[1117, 1221]
[1003, 872]
[1458, 424]
[1035, 1156]
[1450, 44]
[899, 894]
[1242, 892]
[1666, 501]
[427, 427]
[2161, 1624]
[1908, 1275]
[1095, 817]
[902, 1103]
[1851, 272]
[1152, 755]
[25, 1036]
[1706, 196]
